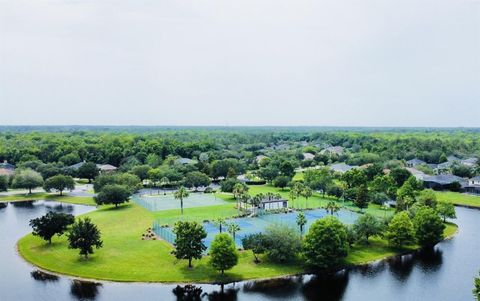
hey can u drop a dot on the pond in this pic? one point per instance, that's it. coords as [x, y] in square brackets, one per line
[445, 273]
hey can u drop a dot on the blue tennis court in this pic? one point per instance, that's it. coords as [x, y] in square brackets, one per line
[250, 225]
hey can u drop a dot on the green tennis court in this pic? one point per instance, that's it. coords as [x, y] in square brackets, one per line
[167, 202]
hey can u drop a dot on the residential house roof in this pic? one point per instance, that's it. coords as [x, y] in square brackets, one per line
[76, 166]
[470, 161]
[415, 161]
[444, 179]
[333, 149]
[6, 172]
[260, 158]
[7, 165]
[106, 167]
[341, 167]
[453, 159]
[418, 174]
[308, 156]
[185, 161]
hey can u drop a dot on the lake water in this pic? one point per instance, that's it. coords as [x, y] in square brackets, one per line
[445, 273]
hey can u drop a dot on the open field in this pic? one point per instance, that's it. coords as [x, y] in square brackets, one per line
[457, 198]
[48, 196]
[125, 257]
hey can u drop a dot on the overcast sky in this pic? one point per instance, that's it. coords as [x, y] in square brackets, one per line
[242, 62]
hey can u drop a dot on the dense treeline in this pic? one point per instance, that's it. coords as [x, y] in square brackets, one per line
[118, 147]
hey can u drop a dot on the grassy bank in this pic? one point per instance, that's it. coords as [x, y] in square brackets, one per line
[457, 198]
[125, 257]
[48, 196]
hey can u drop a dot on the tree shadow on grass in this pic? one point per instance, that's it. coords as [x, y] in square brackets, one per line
[119, 208]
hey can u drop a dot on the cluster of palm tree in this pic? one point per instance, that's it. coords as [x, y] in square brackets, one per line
[232, 227]
[240, 192]
[299, 189]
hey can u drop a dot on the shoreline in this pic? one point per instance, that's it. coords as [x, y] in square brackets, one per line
[304, 273]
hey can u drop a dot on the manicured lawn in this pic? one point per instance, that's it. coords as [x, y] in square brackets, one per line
[458, 198]
[48, 196]
[125, 257]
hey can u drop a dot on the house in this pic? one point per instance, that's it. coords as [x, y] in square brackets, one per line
[453, 159]
[474, 181]
[470, 162]
[260, 158]
[185, 161]
[472, 188]
[419, 175]
[106, 168]
[273, 203]
[308, 156]
[414, 162]
[336, 150]
[6, 172]
[341, 167]
[443, 167]
[6, 165]
[442, 182]
[76, 166]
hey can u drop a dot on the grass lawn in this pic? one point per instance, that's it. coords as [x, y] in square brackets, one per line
[125, 257]
[457, 198]
[48, 196]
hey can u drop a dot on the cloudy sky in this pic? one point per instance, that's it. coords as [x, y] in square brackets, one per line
[240, 62]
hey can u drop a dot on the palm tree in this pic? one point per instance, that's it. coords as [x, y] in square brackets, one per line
[332, 207]
[293, 194]
[181, 194]
[306, 193]
[256, 201]
[301, 221]
[163, 182]
[238, 192]
[232, 229]
[219, 222]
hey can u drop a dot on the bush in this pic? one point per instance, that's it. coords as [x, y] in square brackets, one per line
[326, 243]
[228, 184]
[283, 243]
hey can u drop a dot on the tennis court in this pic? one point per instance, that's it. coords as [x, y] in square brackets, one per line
[168, 201]
[250, 225]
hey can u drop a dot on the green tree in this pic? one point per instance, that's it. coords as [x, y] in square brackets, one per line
[283, 243]
[89, 171]
[52, 223]
[361, 197]
[326, 243]
[113, 194]
[196, 179]
[281, 181]
[332, 207]
[306, 192]
[141, 171]
[476, 289]
[219, 222]
[400, 230]
[59, 183]
[400, 175]
[257, 243]
[318, 179]
[189, 241]
[239, 192]
[428, 227]
[233, 228]
[446, 210]
[427, 198]
[84, 235]
[3, 183]
[301, 221]
[181, 194]
[355, 178]
[223, 254]
[27, 179]
[366, 226]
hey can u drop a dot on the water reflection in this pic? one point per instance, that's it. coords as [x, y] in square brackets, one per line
[326, 287]
[43, 277]
[83, 290]
[23, 204]
[3, 205]
[430, 260]
[229, 294]
[281, 287]
[188, 293]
